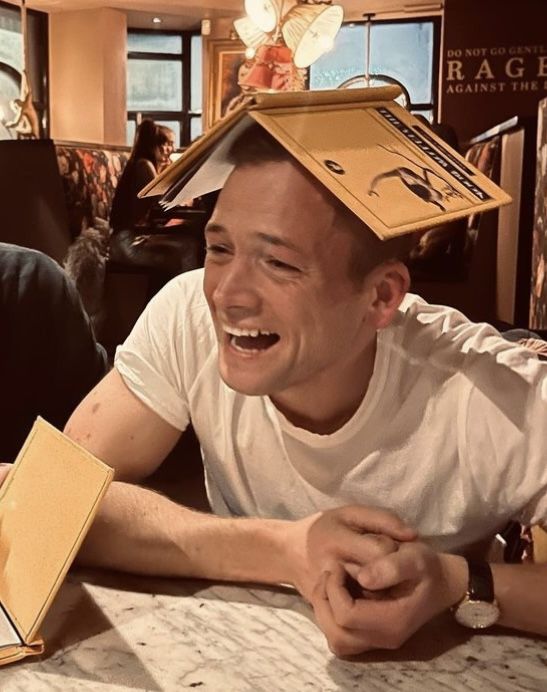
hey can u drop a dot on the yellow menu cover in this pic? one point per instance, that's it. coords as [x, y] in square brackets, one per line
[380, 161]
[47, 504]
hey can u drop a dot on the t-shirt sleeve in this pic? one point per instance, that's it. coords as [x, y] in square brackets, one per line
[152, 360]
[505, 434]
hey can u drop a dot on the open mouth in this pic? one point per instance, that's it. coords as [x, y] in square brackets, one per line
[251, 340]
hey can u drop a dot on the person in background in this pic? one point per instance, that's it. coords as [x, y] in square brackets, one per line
[152, 148]
[166, 146]
[49, 358]
[142, 235]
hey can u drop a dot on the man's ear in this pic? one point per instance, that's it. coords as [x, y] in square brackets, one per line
[390, 282]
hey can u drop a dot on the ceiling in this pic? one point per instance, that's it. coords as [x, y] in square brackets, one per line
[183, 14]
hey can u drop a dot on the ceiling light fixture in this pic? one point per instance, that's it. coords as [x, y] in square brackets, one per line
[310, 30]
[283, 42]
[265, 14]
[156, 20]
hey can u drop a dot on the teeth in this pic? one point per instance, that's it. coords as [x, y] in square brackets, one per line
[234, 331]
[243, 350]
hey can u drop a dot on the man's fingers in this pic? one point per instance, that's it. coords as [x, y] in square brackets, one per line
[391, 570]
[341, 601]
[377, 521]
[362, 548]
[342, 641]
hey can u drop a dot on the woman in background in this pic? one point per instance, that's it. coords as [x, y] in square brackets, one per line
[142, 234]
[152, 148]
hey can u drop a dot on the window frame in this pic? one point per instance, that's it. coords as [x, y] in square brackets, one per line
[185, 115]
[435, 57]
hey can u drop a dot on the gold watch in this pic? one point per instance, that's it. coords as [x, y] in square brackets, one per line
[478, 609]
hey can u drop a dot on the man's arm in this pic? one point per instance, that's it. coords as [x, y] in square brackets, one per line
[137, 530]
[115, 426]
[520, 591]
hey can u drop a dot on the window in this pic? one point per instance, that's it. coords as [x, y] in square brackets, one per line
[406, 50]
[164, 82]
[11, 63]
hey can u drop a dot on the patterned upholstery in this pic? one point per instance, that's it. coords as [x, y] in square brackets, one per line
[89, 175]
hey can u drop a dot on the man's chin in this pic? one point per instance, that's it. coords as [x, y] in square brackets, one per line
[245, 385]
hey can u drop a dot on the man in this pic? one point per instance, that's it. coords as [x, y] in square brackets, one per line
[327, 404]
[49, 358]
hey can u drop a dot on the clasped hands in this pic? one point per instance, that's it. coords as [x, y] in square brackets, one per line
[372, 583]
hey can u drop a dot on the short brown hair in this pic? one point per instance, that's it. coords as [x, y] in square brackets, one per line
[255, 145]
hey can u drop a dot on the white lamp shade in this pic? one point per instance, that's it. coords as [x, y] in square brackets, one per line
[264, 13]
[309, 31]
[249, 33]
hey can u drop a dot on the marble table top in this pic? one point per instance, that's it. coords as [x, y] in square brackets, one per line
[115, 632]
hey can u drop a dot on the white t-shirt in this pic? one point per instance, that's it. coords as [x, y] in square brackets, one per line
[451, 434]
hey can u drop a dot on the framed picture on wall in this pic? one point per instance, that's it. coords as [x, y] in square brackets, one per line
[227, 64]
[10, 90]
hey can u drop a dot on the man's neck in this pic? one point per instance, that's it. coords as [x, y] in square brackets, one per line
[328, 403]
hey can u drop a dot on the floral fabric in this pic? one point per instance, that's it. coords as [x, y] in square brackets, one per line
[90, 176]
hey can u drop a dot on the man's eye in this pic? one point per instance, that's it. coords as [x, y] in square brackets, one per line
[278, 264]
[216, 249]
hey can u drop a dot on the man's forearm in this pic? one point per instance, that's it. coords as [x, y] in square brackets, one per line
[519, 589]
[521, 594]
[140, 531]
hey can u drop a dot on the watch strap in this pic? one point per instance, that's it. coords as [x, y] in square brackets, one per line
[481, 582]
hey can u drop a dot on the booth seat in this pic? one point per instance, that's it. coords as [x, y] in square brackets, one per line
[51, 191]
[113, 293]
[54, 195]
[89, 175]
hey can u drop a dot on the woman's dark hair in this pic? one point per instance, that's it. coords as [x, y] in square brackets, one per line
[146, 140]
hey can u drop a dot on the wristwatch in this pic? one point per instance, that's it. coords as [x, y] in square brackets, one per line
[478, 609]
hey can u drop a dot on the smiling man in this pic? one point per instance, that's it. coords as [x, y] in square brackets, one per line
[289, 321]
[347, 429]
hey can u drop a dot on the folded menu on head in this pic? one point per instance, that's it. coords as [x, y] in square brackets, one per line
[47, 504]
[384, 164]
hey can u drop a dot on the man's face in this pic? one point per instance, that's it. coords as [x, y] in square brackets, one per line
[286, 314]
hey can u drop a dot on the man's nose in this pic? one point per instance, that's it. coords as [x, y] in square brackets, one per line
[237, 286]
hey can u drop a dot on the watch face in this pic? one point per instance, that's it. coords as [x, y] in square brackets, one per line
[477, 614]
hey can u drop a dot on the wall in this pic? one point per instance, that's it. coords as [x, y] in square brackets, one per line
[494, 62]
[220, 29]
[494, 67]
[87, 63]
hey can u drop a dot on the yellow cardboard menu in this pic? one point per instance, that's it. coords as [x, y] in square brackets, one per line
[47, 504]
[378, 159]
